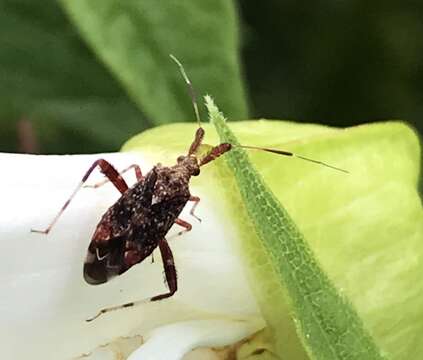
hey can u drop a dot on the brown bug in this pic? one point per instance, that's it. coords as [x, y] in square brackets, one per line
[138, 222]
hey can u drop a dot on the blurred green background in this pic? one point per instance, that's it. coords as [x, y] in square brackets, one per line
[84, 76]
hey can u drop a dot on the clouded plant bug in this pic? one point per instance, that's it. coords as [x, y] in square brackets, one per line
[139, 221]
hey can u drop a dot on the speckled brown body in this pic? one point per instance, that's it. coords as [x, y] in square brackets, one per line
[133, 227]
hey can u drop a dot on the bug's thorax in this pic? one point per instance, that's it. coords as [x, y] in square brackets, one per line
[173, 181]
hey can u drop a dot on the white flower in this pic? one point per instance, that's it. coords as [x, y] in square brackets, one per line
[45, 301]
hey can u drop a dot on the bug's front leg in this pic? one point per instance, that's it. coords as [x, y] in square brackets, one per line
[107, 169]
[196, 200]
[184, 223]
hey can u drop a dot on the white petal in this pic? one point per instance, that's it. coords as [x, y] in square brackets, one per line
[172, 342]
[44, 300]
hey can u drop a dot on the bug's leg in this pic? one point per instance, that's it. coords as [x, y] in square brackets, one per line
[107, 169]
[169, 270]
[184, 224]
[138, 174]
[117, 307]
[171, 279]
[196, 200]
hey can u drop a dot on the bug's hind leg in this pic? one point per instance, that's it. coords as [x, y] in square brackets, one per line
[171, 279]
[169, 270]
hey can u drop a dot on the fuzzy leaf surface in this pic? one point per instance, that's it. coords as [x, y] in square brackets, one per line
[134, 39]
[364, 228]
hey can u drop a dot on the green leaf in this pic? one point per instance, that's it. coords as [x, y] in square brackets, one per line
[103, 124]
[48, 76]
[328, 325]
[365, 228]
[134, 39]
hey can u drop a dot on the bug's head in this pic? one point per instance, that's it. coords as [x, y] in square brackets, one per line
[190, 163]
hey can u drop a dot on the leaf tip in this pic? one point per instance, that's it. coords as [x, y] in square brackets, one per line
[214, 113]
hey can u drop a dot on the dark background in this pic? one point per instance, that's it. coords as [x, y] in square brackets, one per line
[335, 62]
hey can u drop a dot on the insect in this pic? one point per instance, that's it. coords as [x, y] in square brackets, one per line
[139, 221]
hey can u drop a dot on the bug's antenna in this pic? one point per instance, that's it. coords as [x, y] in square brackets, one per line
[199, 134]
[190, 87]
[288, 153]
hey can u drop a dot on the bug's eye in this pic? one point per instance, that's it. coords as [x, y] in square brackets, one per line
[180, 158]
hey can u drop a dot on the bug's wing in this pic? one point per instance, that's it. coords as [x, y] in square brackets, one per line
[114, 247]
